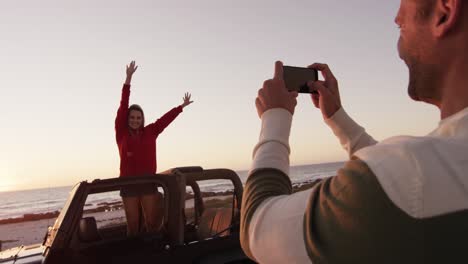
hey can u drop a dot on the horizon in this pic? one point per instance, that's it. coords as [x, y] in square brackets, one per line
[64, 66]
[71, 186]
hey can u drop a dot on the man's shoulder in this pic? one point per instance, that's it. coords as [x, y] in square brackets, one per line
[405, 149]
[412, 169]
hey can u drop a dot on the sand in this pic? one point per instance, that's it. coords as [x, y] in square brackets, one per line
[25, 233]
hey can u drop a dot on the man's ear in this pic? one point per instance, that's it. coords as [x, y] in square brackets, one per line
[447, 14]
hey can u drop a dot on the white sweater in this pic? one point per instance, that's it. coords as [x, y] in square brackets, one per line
[424, 176]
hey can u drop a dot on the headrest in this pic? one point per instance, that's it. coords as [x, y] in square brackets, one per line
[88, 230]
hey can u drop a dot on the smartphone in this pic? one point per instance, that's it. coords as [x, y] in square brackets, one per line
[296, 78]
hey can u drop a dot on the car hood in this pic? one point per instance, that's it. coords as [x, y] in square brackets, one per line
[23, 254]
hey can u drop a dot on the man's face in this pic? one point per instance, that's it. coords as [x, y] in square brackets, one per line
[416, 46]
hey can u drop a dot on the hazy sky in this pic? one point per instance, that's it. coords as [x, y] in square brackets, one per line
[63, 65]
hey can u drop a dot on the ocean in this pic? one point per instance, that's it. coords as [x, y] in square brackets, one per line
[16, 204]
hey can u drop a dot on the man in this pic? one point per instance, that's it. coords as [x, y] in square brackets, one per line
[401, 200]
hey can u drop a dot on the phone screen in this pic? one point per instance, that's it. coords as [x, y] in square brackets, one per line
[296, 78]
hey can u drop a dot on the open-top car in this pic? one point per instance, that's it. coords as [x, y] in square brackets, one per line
[200, 223]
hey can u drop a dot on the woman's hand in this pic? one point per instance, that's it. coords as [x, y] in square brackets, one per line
[131, 69]
[186, 99]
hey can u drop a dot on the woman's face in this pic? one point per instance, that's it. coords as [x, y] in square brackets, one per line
[135, 119]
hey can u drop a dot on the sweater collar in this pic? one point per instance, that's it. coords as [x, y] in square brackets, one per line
[453, 126]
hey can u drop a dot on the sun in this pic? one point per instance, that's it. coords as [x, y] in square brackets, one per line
[5, 187]
[7, 182]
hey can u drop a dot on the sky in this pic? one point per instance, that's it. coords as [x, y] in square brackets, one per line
[63, 66]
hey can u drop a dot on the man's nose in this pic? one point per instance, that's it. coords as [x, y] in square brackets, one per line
[397, 19]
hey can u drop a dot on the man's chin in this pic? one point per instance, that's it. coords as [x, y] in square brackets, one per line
[413, 95]
[418, 98]
[412, 88]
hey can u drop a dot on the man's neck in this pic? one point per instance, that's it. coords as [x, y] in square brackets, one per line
[455, 88]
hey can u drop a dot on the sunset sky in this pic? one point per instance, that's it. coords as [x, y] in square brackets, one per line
[63, 66]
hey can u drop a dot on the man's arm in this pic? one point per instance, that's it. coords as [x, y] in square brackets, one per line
[275, 106]
[347, 218]
[268, 184]
[352, 136]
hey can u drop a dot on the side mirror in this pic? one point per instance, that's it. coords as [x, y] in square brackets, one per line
[49, 228]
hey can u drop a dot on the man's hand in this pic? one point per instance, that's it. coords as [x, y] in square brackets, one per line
[186, 100]
[131, 69]
[274, 94]
[328, 97]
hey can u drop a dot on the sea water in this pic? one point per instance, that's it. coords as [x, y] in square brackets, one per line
[16, 204]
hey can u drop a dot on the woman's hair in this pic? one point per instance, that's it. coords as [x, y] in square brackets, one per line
[138, 108]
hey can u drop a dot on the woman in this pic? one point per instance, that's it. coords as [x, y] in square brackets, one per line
[137, 149]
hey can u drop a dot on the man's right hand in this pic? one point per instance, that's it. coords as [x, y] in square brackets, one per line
[131, 69]
[274, 94]
[328, 97]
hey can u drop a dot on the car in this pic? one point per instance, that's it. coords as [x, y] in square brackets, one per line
[91, 227]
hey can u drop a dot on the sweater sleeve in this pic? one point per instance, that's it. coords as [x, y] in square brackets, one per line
[272, 149]
[346, 218]
[268, 182]
[121, 118]
[351, 135]
[157, 127]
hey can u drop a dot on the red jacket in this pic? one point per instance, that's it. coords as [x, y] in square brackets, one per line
[138, 151]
